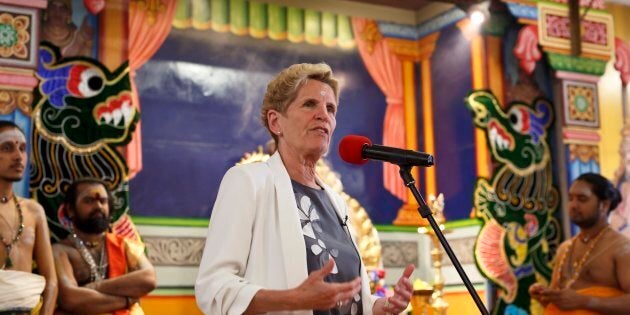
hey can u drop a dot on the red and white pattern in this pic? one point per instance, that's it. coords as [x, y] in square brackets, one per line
[594, 4]
[593, 32]
[526, 49]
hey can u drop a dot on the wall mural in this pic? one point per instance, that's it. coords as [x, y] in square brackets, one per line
[82, 113]
[61, 28]
[519, 232]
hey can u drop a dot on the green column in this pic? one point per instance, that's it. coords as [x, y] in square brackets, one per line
[201, 18]
[313, 27]
[219, 10]
[238, 17]
[277, 22]
[329, 29]
[345, 38]
[295, 24]
[182, 15]
[258, 19]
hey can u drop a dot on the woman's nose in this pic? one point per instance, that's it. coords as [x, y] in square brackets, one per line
[322, 112]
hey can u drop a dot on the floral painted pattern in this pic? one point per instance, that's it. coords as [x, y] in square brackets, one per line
[311, 224]
[14, 36]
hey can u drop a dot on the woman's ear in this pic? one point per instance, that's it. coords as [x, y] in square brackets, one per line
[273, 122]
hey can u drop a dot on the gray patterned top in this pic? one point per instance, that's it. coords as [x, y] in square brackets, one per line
[326, 235]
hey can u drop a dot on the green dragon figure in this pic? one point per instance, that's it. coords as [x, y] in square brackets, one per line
[82, 112]
[517, 205]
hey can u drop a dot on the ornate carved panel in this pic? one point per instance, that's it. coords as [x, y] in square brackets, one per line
[18, 36]
[174, 251]
[580, 104]
[398, 254]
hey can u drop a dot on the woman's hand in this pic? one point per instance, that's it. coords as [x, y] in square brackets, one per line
[403, 291]
[315, 293]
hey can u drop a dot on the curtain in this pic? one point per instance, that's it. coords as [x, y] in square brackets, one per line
[149, 23]
[386, 70]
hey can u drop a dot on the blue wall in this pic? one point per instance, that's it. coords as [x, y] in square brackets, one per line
[201, 95]
[454, 130]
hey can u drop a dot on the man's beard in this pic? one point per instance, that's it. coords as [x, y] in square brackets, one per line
[94, 224]
[588, 222]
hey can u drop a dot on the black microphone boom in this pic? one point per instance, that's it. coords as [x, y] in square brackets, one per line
[396, 156]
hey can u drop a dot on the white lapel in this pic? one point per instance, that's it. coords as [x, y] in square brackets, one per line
[292, 240]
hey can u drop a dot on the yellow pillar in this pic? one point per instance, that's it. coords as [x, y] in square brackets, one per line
[479, 81]
[411, 128]
[411, 52]
[113, 46]
[427, 124]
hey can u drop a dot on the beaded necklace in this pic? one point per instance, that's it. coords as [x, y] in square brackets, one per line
[97, 272]
[9, 245]
[578, 265]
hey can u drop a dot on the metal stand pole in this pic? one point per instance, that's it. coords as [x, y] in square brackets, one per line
[425, 212]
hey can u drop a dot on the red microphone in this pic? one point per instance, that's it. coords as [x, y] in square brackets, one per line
[351, 148]
[358, 149]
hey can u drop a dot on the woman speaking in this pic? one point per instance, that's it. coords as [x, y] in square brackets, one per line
[277, 241]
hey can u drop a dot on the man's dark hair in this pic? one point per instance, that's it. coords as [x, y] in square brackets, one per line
[6, 124]
[70, 199]
[602, 188]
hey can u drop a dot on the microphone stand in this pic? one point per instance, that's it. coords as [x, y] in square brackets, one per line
[425, 212]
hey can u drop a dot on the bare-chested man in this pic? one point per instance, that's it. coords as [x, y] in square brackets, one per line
[98, 272]
[591, 270]
[25, 236]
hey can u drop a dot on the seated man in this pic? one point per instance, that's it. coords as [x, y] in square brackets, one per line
[591, 274]
[98, 272]
[25, 236]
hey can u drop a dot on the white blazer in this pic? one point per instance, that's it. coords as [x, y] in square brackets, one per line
[255, 240]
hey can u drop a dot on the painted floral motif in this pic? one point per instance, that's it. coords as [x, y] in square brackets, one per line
[311, 224]
[14, 36]
[581, 102]
[8, 35]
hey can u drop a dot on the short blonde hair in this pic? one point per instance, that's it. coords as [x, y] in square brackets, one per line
[283, 89]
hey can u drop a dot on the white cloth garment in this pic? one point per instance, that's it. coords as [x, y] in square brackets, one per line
[20, 290]
[255, 240]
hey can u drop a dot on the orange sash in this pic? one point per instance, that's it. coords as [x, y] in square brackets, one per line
[551, 309]
[117, 259]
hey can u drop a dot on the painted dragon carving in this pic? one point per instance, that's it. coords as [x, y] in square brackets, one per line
[82, 113]
[517, 205]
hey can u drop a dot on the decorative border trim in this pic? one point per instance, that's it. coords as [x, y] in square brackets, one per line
[523, 11]
[433, 25]
[198, 222]
[590, 66]
[40, 4]
[565, 75]
[170, 221]
[571, 135]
